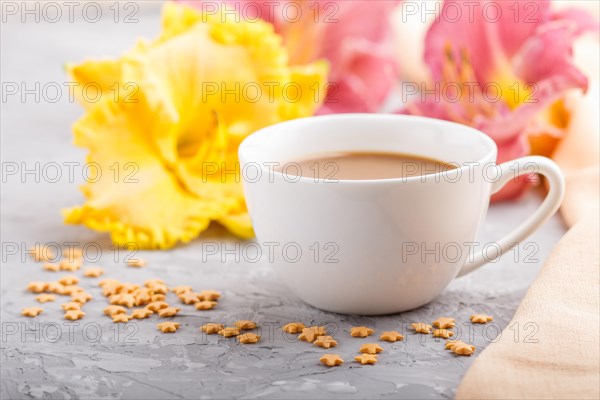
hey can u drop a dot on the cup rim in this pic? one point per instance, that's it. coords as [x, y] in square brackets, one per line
[345, 116]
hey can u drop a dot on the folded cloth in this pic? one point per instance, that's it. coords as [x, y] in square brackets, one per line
[562, 359]
[559, 361]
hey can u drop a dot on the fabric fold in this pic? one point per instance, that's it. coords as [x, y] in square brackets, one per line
[557, 357]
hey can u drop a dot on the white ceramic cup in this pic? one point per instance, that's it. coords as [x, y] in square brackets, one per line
[386, 245]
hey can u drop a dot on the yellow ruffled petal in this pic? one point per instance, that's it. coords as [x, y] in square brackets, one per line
[310, 79]
[238, 224]
[102, 72]
[131, 193]
[94, 80]
[177, 18]
[201, 87]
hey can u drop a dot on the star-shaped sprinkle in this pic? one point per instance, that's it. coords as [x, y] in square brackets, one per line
[71, 305]
[157, 305]
[248, 338]
[149, 283]
[69, 280]
[444, 323]
[142, 291]
[293, 327]
[421, 327]
[37, 286]
[310, 334]
[128, 288]
[121, 318]
[115, 299]
[52, 267]
[71, 289]
[181, 289]
[463, 349]
[153, 283]
[168, 311]
[157, 297]
[331, 360]
[370, 348]
[93, 272]
[459, 347]
[70, 265]
[160, 289]
[168, 327]
[126, 299]
[443, 333]
[136, 263]
[391, 336]
[325, 341]
[141, 313]
[211, 295]
[111, 289]
[212, 328]
[229, 331]
[141, 298]
[55, 287]
[481, 318]
[366, 359]
[81, 297]
[361, 331]
[73, 315]
[44, 298]
[448, 345]
[114, 310]
[189, 297]
[109, 281]
[32, 311]
[205, 305]
[244, 324]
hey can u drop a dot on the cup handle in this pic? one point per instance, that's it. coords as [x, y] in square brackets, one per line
[525, 165]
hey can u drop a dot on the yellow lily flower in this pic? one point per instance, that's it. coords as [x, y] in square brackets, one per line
[165, 133]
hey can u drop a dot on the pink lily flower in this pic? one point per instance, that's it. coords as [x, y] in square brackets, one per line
[503, 67]
[354, 36]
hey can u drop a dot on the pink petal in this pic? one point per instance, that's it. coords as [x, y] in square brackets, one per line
[355, 19]
[579, 21]
[356, 40]
[490, 32]
[548, 56]
[362, 77]
[520, 20]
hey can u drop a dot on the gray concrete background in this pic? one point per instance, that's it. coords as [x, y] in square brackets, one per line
[48, 357]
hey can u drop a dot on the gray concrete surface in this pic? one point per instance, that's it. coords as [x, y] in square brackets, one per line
[48, 357]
